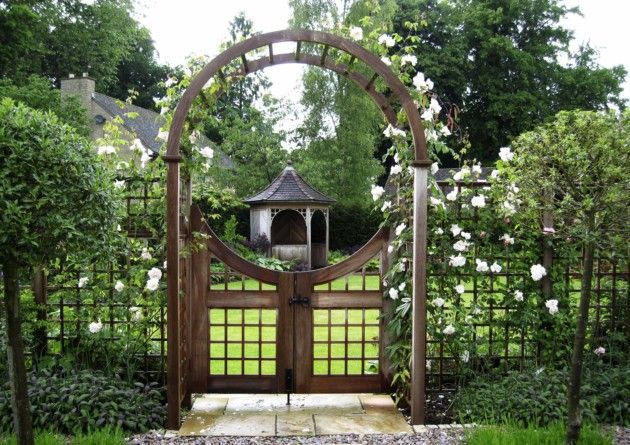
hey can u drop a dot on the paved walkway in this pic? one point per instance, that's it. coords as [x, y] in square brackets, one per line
[308, 415]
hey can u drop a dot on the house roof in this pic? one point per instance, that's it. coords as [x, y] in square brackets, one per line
[289, 187]
[146, 125]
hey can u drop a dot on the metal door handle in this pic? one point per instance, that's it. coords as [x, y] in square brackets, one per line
[298, 299]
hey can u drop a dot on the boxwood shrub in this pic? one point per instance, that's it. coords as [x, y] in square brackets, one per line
[81, 401]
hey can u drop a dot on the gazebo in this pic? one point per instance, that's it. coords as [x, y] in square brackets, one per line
[294, 217]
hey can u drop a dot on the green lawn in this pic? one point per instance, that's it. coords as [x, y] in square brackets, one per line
[355, 282]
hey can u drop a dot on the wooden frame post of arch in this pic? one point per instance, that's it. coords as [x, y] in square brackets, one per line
[175, 370]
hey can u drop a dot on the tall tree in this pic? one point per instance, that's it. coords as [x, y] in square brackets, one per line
[501, 63]
[54, 197]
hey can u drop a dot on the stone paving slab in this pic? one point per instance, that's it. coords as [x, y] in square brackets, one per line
[308, 415]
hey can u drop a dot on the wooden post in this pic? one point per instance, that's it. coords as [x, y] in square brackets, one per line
[172, 329]
[419, 322]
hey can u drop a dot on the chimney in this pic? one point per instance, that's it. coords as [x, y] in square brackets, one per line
[80, 87]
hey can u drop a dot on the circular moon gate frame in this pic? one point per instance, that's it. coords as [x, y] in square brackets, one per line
[420, 164]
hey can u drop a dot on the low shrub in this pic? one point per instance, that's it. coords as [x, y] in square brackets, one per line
[539, 398]
[84, 401]
[553, 434]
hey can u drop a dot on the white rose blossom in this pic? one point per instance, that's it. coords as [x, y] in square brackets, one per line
[393, 293]
[421, 83]
[518, 295]
[507, 239]
[95, 326]
[449, 330]
[154, 273]
[476, 169]
[434, 168]
[402, 286]
[478, 201]
[119, 286]
[537, 272]
[495, 268]
[386, 60]
[377, 191]
[136, 313]
[438, 302]
[439, 231]
[457, 260]
[494, 174]
[400, 228]
[386, 205]
[482, 266]
[455, 230]
[465, 235]
[152, 285]
[390, 248]
[106, 150]
[83, 281]
[552, 306]
[119, 184]
[460, 289]
[387, 40]
[452, 195]
[391, 131]
[506, 154]
[207, 152]
[600, 351]
[396, 169]
[145, 254]
[408, 59]
[465, 356]
[461, 246]
[356, 33]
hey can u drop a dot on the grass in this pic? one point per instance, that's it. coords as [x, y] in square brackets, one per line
[515, 435]
[243, 341]
[355, 282]
[106, 436]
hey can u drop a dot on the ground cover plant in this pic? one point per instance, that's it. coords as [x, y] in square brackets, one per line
[553, 434]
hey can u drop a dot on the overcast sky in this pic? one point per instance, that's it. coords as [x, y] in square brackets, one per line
[194, 27]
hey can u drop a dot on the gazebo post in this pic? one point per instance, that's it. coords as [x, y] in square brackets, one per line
[327, 213]
[309, 234]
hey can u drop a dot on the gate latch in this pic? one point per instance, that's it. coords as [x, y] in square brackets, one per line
[298, 299]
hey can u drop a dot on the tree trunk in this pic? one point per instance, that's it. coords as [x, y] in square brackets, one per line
[15, 354]
[574, 421]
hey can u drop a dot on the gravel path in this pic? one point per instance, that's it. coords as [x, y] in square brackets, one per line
[433, 437]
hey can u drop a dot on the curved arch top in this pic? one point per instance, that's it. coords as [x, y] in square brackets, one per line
[318, 37]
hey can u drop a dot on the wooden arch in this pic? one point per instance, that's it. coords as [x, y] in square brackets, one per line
[421, 163]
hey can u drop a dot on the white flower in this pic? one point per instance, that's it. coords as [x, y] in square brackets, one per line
[395, 169]
[494, 174]
[377, 191]
[408, 59]
[402, 286]
[430, 134]
[600, 351]
[457, 261]
[386, 60]
[119, 286]
[95, 326]
[456, 230]
[495, 268]
[391, 131]
[397, 158]
[390, 248]
[428, 365]
[170, 82]
[434, 168]
[462, 173]
[145, 255]
[152, 285]
[356, 33]
[537, 271]
[154, 273]
[106, 150]
[387, 40]
[393, 293]
[518, 295]
[119, 184]
[445, 131]
[552, 305]
[452, 195]
[507, 239]
[164, 265]
[435, 106]
[476, 169]
[207, 152]
[435, 202]
[478, 201]
[400, 228]
[476, 311]
[465, 235]
[459, 289]
[465, 356]
[449, 330]
[482, 266]
[136, 145]
[506, 154]
[421, 84]
[136, 313]
[427, 115]
[386, 205]
[83, 281]
[509, 208]
[439, 302]
[162, 135]
[439, 231]
[461, 246]
[146, 157]
[163, 110]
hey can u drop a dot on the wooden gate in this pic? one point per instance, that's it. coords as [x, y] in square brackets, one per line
[258, 330]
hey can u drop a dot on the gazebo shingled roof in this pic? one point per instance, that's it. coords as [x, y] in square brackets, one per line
[289, 187]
